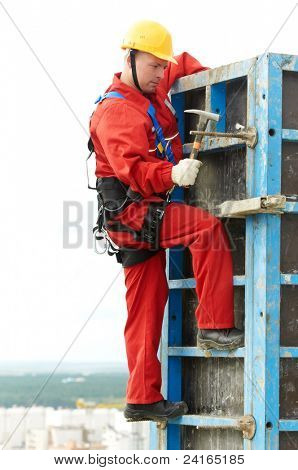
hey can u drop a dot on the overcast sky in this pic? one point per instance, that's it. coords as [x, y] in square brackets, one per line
[56, 58]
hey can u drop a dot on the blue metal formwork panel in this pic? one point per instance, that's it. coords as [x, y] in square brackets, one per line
[247, 398]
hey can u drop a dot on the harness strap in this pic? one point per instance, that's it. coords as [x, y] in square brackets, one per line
[162, 146]
[150, 229]
[113, 199]
[109, 94]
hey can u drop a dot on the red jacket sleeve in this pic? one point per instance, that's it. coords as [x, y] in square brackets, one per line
[186, 66]
[125, 143]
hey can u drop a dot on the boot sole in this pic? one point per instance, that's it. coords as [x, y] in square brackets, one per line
[142, 417]
[145, 418]
[209, 344]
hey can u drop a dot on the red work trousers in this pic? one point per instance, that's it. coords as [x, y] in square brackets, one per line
[147, 292]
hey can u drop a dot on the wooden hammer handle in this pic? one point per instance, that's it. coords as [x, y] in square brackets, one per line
[195, 148]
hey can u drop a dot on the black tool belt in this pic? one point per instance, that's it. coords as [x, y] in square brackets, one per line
[113, 197]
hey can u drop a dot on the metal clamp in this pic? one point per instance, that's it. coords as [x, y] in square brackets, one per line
[248, 135]
[161, 425]
[247, 424]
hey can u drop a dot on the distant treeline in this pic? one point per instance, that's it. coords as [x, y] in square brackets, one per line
[62, 390]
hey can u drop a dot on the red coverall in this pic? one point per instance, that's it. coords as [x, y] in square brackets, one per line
[121, 132]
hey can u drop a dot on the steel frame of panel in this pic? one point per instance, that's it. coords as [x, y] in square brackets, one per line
[263, 345]
[262, 280]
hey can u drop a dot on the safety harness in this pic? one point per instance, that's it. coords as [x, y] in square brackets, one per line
[114, 196]
[164, 147]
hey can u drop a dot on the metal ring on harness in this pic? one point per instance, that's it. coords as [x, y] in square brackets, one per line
[99, 236]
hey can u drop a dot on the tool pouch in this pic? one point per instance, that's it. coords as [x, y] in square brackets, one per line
[151, 228]
[149, 233]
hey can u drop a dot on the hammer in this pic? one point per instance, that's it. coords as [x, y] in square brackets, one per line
[205, 117]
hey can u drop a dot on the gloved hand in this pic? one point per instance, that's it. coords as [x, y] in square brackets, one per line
[186, 171]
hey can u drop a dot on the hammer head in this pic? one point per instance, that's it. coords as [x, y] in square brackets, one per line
[205, 117]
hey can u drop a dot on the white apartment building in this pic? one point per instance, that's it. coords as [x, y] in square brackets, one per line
[46, 427]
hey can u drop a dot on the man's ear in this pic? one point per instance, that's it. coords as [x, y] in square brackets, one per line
[127, 59]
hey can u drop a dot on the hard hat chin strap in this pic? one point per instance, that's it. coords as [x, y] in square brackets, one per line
[132, 53]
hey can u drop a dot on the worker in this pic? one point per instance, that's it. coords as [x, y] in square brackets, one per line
[138, 160]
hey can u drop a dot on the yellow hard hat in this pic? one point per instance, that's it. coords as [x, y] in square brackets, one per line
[152, 37]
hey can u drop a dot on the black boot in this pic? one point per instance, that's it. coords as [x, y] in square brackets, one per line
[159, 411]
[227, 338]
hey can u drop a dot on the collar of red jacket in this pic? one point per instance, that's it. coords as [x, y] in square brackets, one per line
[131, 93]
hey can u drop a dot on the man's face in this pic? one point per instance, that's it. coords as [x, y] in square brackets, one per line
[150, 70]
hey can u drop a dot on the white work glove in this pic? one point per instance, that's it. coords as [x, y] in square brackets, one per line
[186, 171]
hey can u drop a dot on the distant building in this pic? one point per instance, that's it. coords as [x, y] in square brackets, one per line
[37, 439]
[59, 436]
[46, 427]
[13, 427]
[121, 435]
